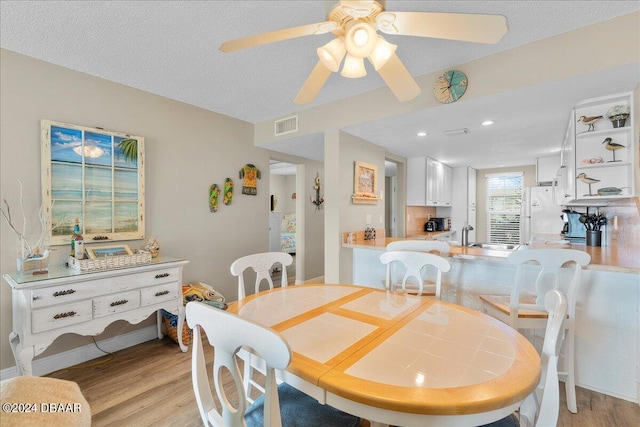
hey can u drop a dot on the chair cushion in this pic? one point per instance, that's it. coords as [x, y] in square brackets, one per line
[509, 421]
[300, 410]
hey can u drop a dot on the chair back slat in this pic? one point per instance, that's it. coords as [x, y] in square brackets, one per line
[227, 333]
[414, 263]
[552, 262]
[261, 263]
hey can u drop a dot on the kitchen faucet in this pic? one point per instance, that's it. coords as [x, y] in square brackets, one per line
[465, 234]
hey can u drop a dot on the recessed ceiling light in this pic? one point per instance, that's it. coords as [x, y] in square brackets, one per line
[422, 134]
[487, 123]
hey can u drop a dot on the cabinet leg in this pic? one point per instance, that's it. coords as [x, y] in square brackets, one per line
[159, 324]
[22, 356]
[183, 347]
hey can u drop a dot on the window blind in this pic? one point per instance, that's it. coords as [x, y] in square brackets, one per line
[504, 198]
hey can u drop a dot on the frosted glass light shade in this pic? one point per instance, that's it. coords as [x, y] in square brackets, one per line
[353, 67]
[360, 39]
[381, 53]
[332, 53]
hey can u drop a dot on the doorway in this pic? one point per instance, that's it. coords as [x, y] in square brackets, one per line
[283, 215]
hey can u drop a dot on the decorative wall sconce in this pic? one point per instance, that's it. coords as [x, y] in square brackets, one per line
[319, 200]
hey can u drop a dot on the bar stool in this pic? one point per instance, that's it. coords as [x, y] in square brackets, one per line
[527, 311]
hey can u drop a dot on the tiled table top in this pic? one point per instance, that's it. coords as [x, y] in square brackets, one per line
[398, 352]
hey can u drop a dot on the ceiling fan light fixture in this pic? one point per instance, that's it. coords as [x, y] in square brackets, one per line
[381, 53]
[332, 53]
[360, 39]
[353, 67]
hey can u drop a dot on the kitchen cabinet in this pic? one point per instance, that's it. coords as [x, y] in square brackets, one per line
[463, 205]
[546, 168]
[429, 182]
[439, 185]
[416, 181]
[589, 152]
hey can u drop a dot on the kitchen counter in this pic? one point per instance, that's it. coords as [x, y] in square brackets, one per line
[603, 258]
[607, 307]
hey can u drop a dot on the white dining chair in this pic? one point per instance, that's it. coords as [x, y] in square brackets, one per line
[526, 310]
[542, 407]
[262, 264]
[414, 263]
[280, 405]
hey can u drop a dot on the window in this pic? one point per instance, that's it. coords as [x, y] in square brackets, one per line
[504, 198]
[96, 176]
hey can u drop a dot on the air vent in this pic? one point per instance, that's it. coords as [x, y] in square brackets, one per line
[286, 125]
[463, 131]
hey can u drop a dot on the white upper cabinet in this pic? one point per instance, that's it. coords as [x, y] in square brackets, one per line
[416, 181]
[429, 182]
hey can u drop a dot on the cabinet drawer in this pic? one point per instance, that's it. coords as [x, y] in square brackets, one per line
[157, 294]
[115, 303]
[108, 285]
[60, 316]
[156, 277]
[61, 294]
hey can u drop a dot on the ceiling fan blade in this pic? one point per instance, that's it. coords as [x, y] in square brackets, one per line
[399, 80]
[452, 26]
[278, 35]
[314, 83]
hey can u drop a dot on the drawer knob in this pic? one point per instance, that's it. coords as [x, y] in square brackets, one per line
[67, 292]
[159, 294]
[122, 301]
[160, 276]
[63, 315]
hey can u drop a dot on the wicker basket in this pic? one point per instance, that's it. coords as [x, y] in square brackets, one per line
[170, 322]
[110, 262]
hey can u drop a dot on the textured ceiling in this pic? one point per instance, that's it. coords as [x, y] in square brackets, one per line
[170, 48]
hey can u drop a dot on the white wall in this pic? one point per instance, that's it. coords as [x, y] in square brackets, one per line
[342, 150]
[283, 186]
[187, 149]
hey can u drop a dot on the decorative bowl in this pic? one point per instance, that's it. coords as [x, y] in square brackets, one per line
[609, 191]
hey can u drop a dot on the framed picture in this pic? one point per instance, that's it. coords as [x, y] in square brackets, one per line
[107, 251]
[94, 175]
[365, 184]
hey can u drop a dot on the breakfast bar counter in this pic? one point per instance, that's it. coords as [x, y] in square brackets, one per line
[603, 258]
[607, 307]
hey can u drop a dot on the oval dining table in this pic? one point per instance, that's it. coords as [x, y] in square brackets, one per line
[395, 358]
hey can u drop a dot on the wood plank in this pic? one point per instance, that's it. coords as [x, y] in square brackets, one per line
[150, 385]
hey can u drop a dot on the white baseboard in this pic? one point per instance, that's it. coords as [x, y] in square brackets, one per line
[85, 353]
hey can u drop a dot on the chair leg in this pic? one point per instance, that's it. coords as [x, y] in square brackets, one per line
[246, 377]
[569, 363]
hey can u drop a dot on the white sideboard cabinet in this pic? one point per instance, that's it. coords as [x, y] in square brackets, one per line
[67, 301]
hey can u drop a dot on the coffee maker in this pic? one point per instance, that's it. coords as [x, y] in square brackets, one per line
[574, 228]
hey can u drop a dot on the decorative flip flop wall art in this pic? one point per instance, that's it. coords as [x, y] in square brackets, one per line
[214, 193]
[228, 191]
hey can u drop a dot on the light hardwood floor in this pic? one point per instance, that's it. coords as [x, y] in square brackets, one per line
[150, 385]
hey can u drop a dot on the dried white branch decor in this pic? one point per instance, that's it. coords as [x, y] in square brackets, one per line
[28, 251]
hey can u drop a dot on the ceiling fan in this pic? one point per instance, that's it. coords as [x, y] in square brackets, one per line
[356, 24]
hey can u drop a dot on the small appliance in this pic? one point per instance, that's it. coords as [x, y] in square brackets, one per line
[442, 224]
[430, 226]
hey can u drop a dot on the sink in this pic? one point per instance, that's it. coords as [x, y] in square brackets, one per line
[495, 246]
